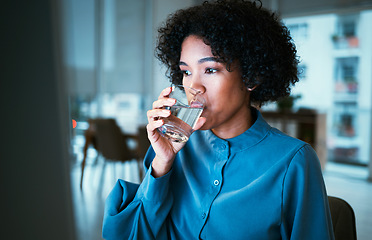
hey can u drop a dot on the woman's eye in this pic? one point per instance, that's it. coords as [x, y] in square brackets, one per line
[210, 70]
[186, 72]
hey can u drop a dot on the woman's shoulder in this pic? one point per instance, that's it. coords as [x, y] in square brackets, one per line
[281, 142]
[273, 138]
[280, 136]
[296, 149]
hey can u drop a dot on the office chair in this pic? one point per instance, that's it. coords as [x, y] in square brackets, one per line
[343, 219]
[109, 141]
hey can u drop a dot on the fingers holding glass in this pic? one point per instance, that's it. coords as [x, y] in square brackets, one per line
[184, 113]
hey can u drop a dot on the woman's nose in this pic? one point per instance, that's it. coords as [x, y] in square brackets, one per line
[198, 85]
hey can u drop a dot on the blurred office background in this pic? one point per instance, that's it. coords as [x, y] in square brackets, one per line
[69, 62]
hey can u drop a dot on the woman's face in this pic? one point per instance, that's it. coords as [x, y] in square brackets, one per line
[227, 109]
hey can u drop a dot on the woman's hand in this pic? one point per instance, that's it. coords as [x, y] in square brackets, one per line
[165, 150]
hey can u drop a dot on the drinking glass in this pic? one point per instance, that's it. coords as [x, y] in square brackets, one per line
[184, 114]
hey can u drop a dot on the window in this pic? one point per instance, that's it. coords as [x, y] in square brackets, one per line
[347, 25]
[345, 119]
[346, 75]
[298, 30]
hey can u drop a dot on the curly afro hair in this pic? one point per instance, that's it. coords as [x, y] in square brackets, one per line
[239, 31]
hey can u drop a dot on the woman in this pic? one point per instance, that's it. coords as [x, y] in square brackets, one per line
[236, 177]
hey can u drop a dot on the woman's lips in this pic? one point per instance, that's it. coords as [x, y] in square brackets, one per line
[196, 105]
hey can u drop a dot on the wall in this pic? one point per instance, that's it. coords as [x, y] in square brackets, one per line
[34, 171]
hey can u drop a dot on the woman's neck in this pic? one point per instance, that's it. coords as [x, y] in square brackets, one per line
[237, 125]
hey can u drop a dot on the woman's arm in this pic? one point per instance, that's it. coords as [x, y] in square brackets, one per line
[135, 211]
[305, 208]
[140, 211]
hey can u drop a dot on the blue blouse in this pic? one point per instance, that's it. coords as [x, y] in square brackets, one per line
[261, 184]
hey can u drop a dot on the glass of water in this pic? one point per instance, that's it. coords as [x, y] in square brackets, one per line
[184, 114]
